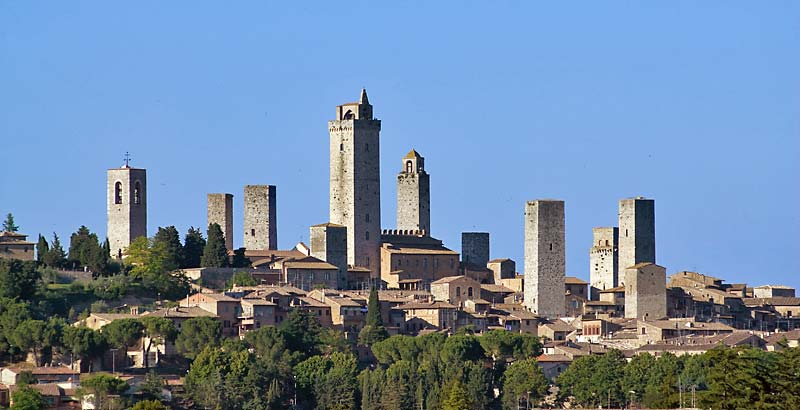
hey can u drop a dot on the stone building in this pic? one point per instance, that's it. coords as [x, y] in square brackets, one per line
[645, 291]
[127, 207]
[329, 243]
[220, 212]
[260, 217]
[502, 268]
[545, 257]
[456, 290]
[604, 260]
[637, 231]
[414, 195]
[413, 261]
[355, 190]
[475, 248]
[15, 246]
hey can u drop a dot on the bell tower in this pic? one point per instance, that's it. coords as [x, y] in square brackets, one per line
[414, 195]
[126, 206]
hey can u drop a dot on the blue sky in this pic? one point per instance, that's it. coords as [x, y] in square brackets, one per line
[695, 104]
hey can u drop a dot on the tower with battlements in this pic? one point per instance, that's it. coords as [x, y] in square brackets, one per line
[260, 217]
[126, 190]
[355, 191]
[637, 232]
[414, 195]
[545, 258]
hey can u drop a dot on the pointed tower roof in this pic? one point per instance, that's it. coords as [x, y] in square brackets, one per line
[412, 154]
[363, 99]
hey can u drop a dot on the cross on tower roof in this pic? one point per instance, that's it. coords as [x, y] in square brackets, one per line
[127, 159]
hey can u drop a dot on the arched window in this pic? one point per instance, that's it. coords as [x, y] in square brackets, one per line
[606, 242]
[349, 115]
[137, 193]
[409, 166]
[118, 193]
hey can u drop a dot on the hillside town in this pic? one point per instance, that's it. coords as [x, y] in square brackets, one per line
[163, 320]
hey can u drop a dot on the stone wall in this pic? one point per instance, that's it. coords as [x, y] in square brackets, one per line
[414, 197]
[329, 243]
[220, 212]
[603, 260]
[475, 248]
[645, 292]
[545, 257]
[126, 207]
[260, 217]
[637, 231]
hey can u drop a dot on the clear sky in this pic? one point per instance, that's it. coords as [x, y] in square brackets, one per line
[694, 104]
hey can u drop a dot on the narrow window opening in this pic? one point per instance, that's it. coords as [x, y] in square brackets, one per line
[118, 193]
[341, 147]
[551, 246]
[367, 218]
[366, 235]
[137, 194]
[409, 167]
[252, 232]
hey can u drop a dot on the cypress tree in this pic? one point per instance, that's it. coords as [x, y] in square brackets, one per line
[9, 225]
[373, 330]
[215, 255]
[170, 237]
[42, 248]
[193, 246]
[55, 257]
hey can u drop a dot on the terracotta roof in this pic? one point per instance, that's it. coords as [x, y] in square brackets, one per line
[267, 253]
[219, 297]
[687, 325]
[412, 154]
[613, 290]
[257, 302]
[425, 305]
[318, 264]
[558, 326]
[113, 316]
[410, 250]
[448, 279]
[781, 336]
[553, 358]
[328, 225]
[181, 312]
[773, 287]
[776, 301]
[496, 288]
[500, 260]
[571, 280]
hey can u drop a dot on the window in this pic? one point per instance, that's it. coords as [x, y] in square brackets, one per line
[137, 193]
[341, 147]
[226, 324]
[367, 218]
[606, 242]
[458, 291]
[409, 166]
[366, 148]
[551, 246]
[626, 233]
[252, 232]
[366, 235]
[469, 291]
[118, 193]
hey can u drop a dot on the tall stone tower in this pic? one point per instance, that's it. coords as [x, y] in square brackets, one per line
[329, 243]
[260, 217]
[475, 248]
[414, 195]
[645, 291]
[604, 260]
[127, 207]
[545, 258]
[355, 196]
[637, 232]
[220, 212]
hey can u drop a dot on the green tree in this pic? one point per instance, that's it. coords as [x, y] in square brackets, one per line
[373, 330]
[18, 279]
[55, 257]
[42, 248]
[37, 337]
[239, 260]
[636, 376]
[524, 380]
[27, 398]
[215, 255]
[83, 343]
[193, 245]
[151, 388]
[12, 314]
[330, 381]
[123, 333]
[456, 398]
[9, 225]
[170, 238]
[157, 330]
[84, 248]
[575, 382]
[242, 278]
[98, 387]
[301, 331]
[26, 377]
[149, 405]
[196, 334]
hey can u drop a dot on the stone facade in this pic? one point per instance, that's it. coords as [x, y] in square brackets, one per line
[329, 243]
[414, 195]
[126, 207]
[645, 291]
[15, 246]
[475, 248]
[637, 231]
[503, 269]
[355, 190]
[545, 257]
[220, 212]
[604, 260]
[260, 217]
[413, 261]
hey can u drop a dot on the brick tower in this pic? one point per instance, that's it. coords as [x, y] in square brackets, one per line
[355, 190]
[127, 206]
[414, 195]
[545, 258]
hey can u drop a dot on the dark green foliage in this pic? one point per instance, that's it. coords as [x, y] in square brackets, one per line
[9, 225]
[149, 405]
[85, 250]
[327, 382]
[27, 398]
[301, 331]
[123, 333]
[42, 247]
[18, 279]
[151, 388]
[524, 381]
[173, 250]
[26, 377]
[37, 337]
[239, 260]
[193, 245]
[373, 330]
[215, 255]
[158, 330]
[55, 256]
[83, 343]
[100, 387]
[196, 334]
[242, 278]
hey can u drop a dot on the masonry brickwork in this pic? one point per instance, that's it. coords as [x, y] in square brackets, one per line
[475, 248]
[645, 291]
[220, 212]
[126, 207]
[545, 258]
[637, 231]
[414, 195]
[329, 243]
[260, 217]
[603, 260]
[355, 190]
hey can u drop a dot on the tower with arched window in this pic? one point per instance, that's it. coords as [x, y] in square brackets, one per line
[355, 189]
[414, 195]
[126, 207]
[604, 260]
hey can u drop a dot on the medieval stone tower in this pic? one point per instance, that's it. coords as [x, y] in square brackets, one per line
[414, 195]
[545, 258]
[260, 217]
[355, 195]
[645, 291]
[604, 260]
[637, 232]
[475, 248]
[329, 243]
[220, 212]
[127, 207]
